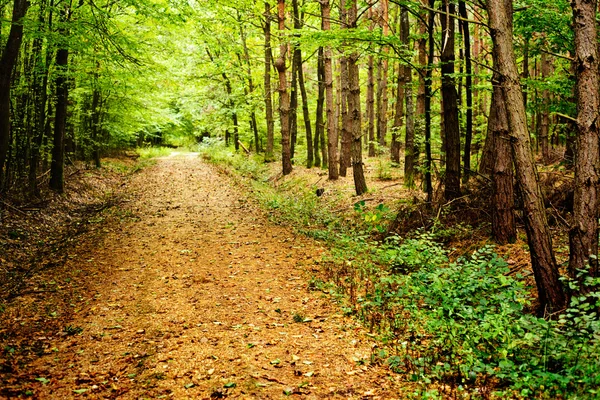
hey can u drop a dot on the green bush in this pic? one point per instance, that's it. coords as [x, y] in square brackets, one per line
[467, 324]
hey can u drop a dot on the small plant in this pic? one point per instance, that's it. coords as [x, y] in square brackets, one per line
[298, 317]
[71, 330]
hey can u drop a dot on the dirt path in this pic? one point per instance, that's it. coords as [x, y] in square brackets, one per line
[201, 297]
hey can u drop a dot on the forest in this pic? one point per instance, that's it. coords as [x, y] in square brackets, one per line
[446, 153]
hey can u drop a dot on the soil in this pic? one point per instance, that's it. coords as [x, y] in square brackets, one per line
[185, 291]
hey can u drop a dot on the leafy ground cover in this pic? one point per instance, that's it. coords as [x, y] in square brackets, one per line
[449, 313]
[185, 290]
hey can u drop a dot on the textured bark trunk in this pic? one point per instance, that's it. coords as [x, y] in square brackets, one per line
[550, 290]
[370, 107]
[346, 134]
[398, 114]
[57, 179]
[450, 105]
[267, 83]
[583, 236]
[382, 92]
[462, 8]
[332, 137]
[370, 99]
[427, 104]
[503, 217]
[319, 123]
[284, 97]
[360, 184]
[7, 63]
[250, 90]
[294, 104]
[41, 94]
[545, 113]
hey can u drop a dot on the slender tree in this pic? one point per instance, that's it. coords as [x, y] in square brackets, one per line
[284, 97]
[550, 291]
[583, 236]
[451, 130]
[7, 63]
[462, 10]
[332, 137]
[267, 84]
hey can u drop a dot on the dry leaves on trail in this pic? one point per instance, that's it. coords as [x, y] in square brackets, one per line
[197, 297]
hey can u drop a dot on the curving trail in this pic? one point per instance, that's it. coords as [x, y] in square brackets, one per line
[195, 297]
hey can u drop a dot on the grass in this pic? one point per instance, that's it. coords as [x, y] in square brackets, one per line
[153, 152]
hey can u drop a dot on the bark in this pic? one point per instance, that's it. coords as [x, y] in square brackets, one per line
[503, 217]
[284, 97]
[382, 95]
[402, 82]
[360, 184]
[267, 83]
[319, 123]
[7, 63]
[370, 100]
[300, 74]
[60, 121]
[250, 89]
[411, 149]
[450, 105]
[462, 8]
[583, 235]
[346, 134]
[550, 290]
[427, 104]
[294, 104]
[332, 137]
[544, 125]
[370, 107]
[398, 114]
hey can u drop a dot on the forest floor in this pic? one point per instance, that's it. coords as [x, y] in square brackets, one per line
[185, 290]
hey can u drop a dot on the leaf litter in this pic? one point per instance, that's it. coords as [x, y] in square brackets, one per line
[206, 299]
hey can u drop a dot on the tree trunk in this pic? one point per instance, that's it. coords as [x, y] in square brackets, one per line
[284, 97]
[360, 184]
[382, 95]
[550, 290]
[332, 137]
[294, 104]
[583, 235]
[544, 125]
[319, 123]
[502, 207]
[346, 139]
[450, 105]
[411, 151]
[253, 124]
[427, 96]
[7, 63]
[462, 8]
[370, 100]
[267, 83]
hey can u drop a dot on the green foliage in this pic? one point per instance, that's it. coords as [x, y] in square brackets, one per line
[466, 323]
[153, 152]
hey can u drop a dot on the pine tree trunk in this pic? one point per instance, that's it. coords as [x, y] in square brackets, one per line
[332, 137]
[7, 63]
[284, 97]
[450, 105]
[267, 85]
[468, 91]
[550, 291]
[60, 120]
[346, 134]
[427, 104]
[294, 104]
[360, 184]
[544, 125]
[583, 236]
[382, 92]
[502, 208]
[319, 123]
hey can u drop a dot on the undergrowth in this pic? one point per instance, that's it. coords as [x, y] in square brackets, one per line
[460, 328]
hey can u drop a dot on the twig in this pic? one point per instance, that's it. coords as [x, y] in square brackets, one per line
[13, 208]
